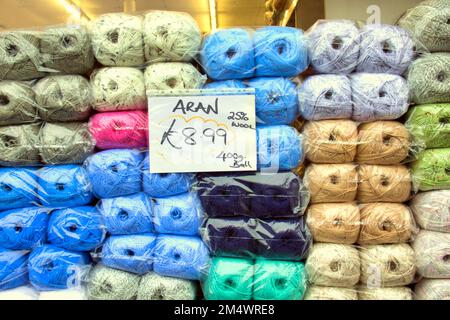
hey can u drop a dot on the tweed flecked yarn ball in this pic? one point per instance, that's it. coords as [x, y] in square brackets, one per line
[330, 293]
[156, 287]
[173, 75]
[17, 103]
[432, 210]
[432, 254]
[394, 293]
[432, 289]
[19, 145]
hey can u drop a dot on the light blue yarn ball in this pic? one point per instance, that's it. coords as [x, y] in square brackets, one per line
[18, 188]
[13, 268]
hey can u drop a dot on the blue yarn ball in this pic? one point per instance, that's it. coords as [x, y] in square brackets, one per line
[23, 229]
[181, 257]
[279, 148]
[132, 253]
[276, 100]
[127, 215]
[228, 54]
[18, 188]
[76, 229]
[280, 52]
[64, 186]
[13, 268]
[233, 84]
[181, 214]
[53, 268]
[115, 173]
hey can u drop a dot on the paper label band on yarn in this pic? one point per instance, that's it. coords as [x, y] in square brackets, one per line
[199, 130]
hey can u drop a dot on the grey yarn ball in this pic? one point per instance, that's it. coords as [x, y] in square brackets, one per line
[64, 98]
[17, 103]
[68, 49]
[156, 287]
[62, 143]
[173, 75]
[19, 145]
[111, 284]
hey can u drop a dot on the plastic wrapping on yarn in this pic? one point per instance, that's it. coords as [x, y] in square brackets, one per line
[173, 75]
[18, 103]
[330, 293]
[73, 294]
[429, 78]
[13, 269]
[330, 141]
[225, 84]
[117, 40]
[428, 24]
[432, 210]
[385, 49]
[252, 194]
[378, 96]
[67, 49]
[115, 173]
[155, 287]
[432, 289]
[431, 170]
[383, 142]
[170, 36]
[389, 265]
[430, 125]
[18, 188]
[117, 89]
[23, 229]
[394, 293]
[127, 215]
[23, 293]
[120, 130]
[53, 268]
[334, 222]
[64, 98]
[131, 253]
[432, 254]
[384, 183]
[63, 186]
[333, 265]
[19, 145]
[331, 182]
[181, 257]
[334, 46]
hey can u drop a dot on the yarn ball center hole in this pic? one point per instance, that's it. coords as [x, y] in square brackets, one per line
[387, 225]
[6, 188]
[335, 266]
[444, 120]
[12, 50]
[334, 179]
[230, 283]
[4, 100]
[177, 256]
[446, 258]
[280, 283]
[123, 215]
[113, 36]
[393, 265]
[441, 76]
[281, 49]
[73, 228]
[338, 222]
[176, 214]
[68, 41]
[60, 186]
[384, 181]
[337, 43]
[171, 82]
[329, 95]
[18, 229]
[230, 53]
[387, 47]
[113, 86]
[387, 140]
[129, 253]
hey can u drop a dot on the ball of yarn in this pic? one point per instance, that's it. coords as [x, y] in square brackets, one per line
[334, 46]
[330, 293]
[64, 186]
[229, 279]
[431, 170]
[225, 84]
[395, 293]
[156, 287]
[333, 265]
[383, 223]
[279, 280]
[432, 254]
[54, 268]
[120, 130]
[76, 229]
[132, 253]
[67, 49]
[19, 145]
[115, 173]
[23, 293]
[17, 103]
[280, 52]
[23, 229]
[170, 36]
[127, 215]
[389, 265]
[428, 24]
[111, 284]
[430, 125]
[432, 210]
[64, 98]
[325, 97]
[330, 141]
[383, 142]
[378, 96]
[173, 75]
[116, 89]
[181, 257]
[276, 100]
[385, 49]
[117, 40]
[18, 188]
[280, 148]
[384, 183]
[228, 54]
[432, 289]
[334, 222]
[181, 214]
[13, 269]
[331, 182]
[429, 78]
[77, 294]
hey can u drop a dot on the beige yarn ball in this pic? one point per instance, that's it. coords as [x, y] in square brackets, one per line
[432, 210]
[432, 254]
[432, 289]
[395, 293]
[19, 145]
[330, 293]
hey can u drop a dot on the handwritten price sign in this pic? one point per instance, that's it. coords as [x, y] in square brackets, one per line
[202, 131]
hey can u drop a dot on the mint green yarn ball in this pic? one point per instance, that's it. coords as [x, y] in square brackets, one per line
[431, 171]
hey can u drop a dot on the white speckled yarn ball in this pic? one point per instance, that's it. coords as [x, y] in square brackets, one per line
[432, 289]
[394, 293]
[432, 210]
[330, 293]
[156, 287]
[19, 145]
[17, 103]
[433, 254]
[173, 75]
